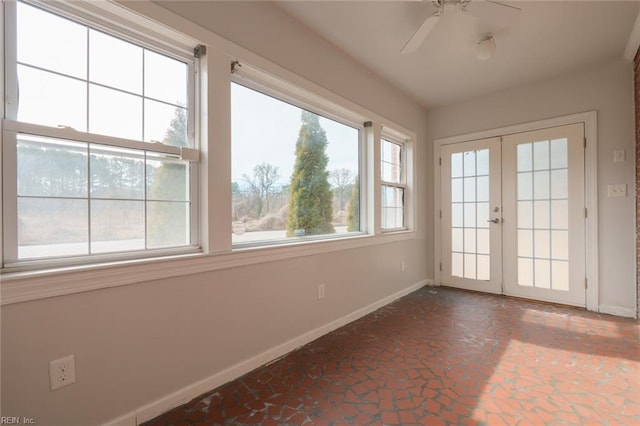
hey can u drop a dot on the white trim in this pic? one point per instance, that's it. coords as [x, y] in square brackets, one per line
[181, 396]
[618, 311]
[634, 41]
[24, 286]
[590, 120]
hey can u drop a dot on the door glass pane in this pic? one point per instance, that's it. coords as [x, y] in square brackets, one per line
[456, 190]
[539, 249]
[456, 165]
[525, 186]
[559, 153]
[482, 162]
[470, 213]
[469, 161]
[482, 188]
[469, 189]
[525, 157]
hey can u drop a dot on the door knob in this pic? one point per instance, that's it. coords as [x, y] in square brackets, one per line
[496, 220]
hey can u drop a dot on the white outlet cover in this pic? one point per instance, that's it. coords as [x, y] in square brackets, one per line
[62, 372]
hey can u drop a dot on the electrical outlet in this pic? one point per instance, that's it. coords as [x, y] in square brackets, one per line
[321, 292]
[62, 372]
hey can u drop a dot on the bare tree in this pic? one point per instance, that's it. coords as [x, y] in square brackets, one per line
[263, 186]
[342, 182]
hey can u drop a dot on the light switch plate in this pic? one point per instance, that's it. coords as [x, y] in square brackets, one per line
[619, 190]
[618, 156]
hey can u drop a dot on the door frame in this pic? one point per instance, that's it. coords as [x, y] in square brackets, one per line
[589, 120]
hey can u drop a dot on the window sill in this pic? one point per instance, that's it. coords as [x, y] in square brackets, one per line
[25, 286]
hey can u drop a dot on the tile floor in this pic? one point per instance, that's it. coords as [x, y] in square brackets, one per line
[443, 356]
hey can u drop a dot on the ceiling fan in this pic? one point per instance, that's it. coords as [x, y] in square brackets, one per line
[486, 10]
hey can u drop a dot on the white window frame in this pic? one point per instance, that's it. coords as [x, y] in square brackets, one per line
[283, 91]
[11, 128]
[214, 132]
[403, 180]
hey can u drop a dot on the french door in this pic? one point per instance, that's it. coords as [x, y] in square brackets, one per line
[513, 215]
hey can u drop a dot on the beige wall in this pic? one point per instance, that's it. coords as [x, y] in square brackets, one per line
[608, 89]
[135, 344]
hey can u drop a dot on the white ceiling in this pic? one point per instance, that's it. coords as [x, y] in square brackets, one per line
[548, 38]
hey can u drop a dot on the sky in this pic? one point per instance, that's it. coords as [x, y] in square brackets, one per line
[265, 129]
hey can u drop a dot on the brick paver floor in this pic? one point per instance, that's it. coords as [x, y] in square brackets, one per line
[444, 356]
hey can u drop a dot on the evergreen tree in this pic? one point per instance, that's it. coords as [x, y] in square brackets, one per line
[353, 211]
[311, 201]
[168, 218]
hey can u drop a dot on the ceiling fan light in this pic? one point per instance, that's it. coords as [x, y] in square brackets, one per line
[486, 47]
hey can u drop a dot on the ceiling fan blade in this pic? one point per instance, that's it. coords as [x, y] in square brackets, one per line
[421, 33]
[493, 12]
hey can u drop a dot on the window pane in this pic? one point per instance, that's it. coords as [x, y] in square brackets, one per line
[456, 190]
[484, 267]
[294, 173]
[558, 153]
[50, 167]
[482, 161]
[457, 240]
[559, 184]
[52, 227]
[61, 48]
[525, 186]
[117, 226]
[525, 157]
[456, 214]
[165, 78]
[116, 173]
[456, 165]
[469, 189]
[167, 224]
[469, 163]
[541, 155]
[167, 179]
[165, 123]
[115, 63]
[51, 100]
[114, 113]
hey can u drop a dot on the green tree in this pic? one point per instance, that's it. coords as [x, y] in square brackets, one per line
[168, 223]
[353, 210]
[311, 201]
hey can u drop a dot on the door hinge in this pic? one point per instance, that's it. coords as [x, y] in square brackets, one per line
[440, 161]
[585, 142]
[585, 283]
[440, 266]
[440, 214]
[585, 213]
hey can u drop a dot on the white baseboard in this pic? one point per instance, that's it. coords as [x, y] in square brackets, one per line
[186, 394]
[618, 311]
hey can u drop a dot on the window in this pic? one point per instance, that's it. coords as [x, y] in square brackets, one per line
[393, 185]
[98, 141]
[295, 173]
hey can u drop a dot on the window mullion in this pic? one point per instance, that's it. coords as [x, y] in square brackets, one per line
[10, 63]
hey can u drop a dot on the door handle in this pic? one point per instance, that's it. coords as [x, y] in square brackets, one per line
[496, 220]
